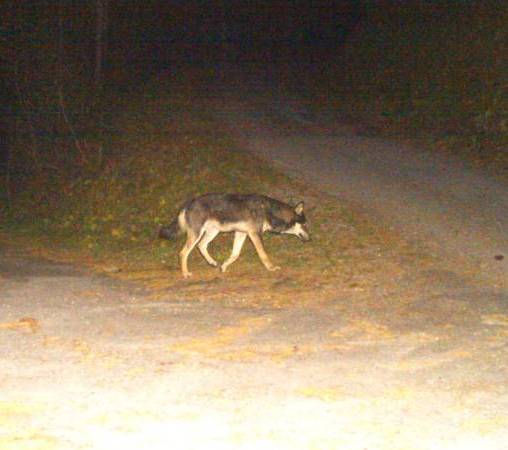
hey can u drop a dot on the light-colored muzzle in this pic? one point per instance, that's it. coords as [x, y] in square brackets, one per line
[299, 230]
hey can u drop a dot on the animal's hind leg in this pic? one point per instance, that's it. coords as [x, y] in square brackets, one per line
[192, 240]
[237, 248]
[208, 237]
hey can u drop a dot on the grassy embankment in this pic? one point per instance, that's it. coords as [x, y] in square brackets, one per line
[102, 205]
[436, 72]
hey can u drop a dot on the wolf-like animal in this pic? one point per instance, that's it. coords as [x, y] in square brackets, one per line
[204, 217]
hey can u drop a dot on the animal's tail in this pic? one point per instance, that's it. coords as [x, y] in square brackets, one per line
[174, 229]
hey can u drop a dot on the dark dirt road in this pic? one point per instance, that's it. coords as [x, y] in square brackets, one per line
[458, 212]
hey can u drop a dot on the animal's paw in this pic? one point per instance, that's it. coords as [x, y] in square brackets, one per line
[187, 274]
[273, 268]
[223, 268]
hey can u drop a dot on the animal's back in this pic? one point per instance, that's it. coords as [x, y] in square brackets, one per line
[229, 208]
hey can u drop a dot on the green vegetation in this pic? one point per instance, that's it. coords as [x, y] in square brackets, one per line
[112, 191]
[434, 70]
[103, 202]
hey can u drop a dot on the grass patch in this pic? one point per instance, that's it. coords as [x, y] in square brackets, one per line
[103, 208]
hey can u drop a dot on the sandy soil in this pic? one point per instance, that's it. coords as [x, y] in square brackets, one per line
[87, 362]
[91, 363]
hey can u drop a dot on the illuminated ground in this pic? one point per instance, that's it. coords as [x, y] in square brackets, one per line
[91, 363]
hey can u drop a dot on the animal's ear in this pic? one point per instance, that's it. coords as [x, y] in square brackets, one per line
[299, 208]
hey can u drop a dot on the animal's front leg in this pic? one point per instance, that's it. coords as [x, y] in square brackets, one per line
[260, 249]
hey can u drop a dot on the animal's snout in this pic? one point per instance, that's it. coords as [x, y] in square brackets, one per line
[299, 230]
[303, 234]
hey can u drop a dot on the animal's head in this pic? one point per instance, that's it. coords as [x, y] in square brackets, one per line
[298, 225]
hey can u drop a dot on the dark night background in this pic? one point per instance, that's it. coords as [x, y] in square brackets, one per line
[437, 68]
[278, 42]
[151, 36]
